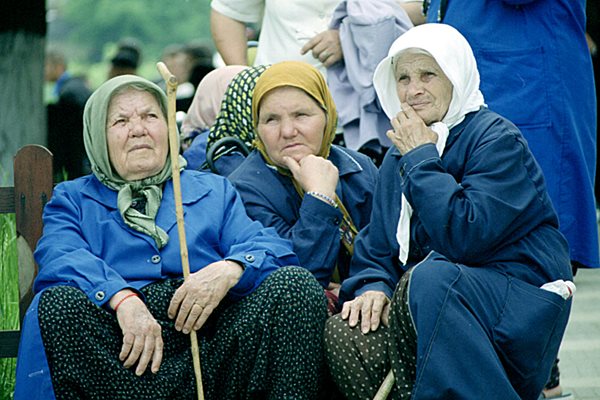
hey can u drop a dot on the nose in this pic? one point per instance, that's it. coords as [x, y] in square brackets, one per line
[415, 87]
[136, 126]
[288, 129]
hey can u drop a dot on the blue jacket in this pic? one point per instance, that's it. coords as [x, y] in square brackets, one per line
[536, 71]
[311, 224]
[483, 203]
[86, 244]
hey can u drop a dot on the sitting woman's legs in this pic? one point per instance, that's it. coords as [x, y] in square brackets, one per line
[270, 344]
[83, 342]
[358, 363]
[481, 332]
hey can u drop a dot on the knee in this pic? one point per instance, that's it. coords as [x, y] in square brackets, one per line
[299, 286]
[432, 276]
[57, 298]
[428, 287]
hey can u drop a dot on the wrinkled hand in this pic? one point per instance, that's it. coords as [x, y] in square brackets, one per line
[142, 336]
[314, 173]
[201, 293]
[325, 47]
[409, 130]
[371, 308]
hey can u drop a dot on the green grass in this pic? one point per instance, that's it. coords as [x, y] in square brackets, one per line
[9, 298]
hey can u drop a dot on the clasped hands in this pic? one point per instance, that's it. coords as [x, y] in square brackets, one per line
[191, 305]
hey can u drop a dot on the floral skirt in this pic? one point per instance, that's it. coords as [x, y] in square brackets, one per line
[266, 346]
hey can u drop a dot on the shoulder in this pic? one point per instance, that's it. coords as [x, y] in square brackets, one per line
[252, 169]
[485, 125]
[350, 161]
[203, 181]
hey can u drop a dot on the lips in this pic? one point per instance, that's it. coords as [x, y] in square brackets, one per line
[140, 147]
[292, 146]
[419, 105]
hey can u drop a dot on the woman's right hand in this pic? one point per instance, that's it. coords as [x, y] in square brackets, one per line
[314, 173]
[142, 335]
[370, 308]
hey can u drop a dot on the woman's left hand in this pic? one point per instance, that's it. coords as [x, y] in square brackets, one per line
[201, 293]
[409, 130]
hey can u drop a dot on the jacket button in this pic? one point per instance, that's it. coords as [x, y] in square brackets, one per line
[155, 259]
[99, 295]
[336, 221]
[249, 258]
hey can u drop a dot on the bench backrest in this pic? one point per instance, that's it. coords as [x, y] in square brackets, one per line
[26, 199]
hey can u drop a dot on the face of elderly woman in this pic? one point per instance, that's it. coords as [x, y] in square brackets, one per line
[137, 135]
[422, 84]
[290, 123]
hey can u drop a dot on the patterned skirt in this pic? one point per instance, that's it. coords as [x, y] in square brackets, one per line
[266, 346]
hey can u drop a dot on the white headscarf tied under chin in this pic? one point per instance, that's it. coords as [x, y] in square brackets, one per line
[454, 56]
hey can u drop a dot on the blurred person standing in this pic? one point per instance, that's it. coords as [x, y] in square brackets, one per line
[65, 117]
[127, 58]
[286, 27]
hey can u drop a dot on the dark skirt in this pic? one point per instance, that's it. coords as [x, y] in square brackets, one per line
[266, 346]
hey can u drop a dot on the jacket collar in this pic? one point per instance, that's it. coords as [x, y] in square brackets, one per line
[166, 217]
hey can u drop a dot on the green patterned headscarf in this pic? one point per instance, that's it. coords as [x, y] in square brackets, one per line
[235, 117]
[94, 136]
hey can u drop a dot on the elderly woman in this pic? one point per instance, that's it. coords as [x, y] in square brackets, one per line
[312, 192]
[112, 315]
[463, 235]
[202, 113]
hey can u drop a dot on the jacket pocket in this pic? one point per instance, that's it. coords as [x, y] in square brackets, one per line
[525, 331]
[514, 84]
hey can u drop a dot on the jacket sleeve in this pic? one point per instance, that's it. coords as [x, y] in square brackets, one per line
[259, 249]
[375, 264]
[315, 233]
[64, 256]
[491, 206]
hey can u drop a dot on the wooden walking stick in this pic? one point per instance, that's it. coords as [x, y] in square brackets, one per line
[386, 387]
[171, 83]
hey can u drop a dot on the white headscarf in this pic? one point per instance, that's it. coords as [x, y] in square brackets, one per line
[454, 56]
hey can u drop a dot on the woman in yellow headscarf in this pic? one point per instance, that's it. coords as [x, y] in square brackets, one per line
[312, 192]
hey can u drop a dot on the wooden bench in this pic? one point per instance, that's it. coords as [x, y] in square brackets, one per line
[26, 199]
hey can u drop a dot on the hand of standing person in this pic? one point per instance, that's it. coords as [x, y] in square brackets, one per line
[325, 47]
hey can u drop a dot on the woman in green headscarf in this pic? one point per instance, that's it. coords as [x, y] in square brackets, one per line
[112, 314]
[312, 192]
[232, 134]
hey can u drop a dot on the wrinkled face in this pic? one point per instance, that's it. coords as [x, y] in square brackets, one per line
[290, 123]
[136, 134]
[422, 84]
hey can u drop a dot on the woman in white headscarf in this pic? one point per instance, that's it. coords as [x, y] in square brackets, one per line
[445, 283]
